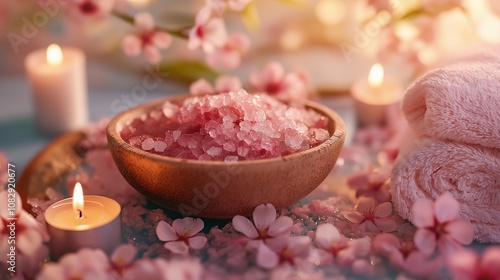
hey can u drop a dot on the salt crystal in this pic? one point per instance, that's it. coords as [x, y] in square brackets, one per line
[160, 146]
[229, 126]
[148, 144]
[214, 151]
[231, 158]
[176, 134]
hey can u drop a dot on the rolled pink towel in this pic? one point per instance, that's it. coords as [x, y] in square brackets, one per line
[459, 102]
[471, 173]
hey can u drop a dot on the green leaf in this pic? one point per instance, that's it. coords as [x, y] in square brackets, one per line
[250, 17]
[187, 71]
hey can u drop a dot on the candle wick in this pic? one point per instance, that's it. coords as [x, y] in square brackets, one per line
[80, 213]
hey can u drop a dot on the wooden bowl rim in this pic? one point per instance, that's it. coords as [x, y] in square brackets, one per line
[116, 122]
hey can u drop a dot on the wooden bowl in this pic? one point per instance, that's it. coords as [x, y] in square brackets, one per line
[216, 189]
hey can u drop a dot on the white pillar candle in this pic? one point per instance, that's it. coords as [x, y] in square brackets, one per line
[373, 97]
[58, 82]
[83, 222]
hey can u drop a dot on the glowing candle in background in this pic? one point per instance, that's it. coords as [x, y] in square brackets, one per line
[83, 221]
[374, 96]
[58, 82]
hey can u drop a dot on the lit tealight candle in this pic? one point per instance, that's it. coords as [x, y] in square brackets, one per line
[58, 82]
[83, 221]
[375, 96]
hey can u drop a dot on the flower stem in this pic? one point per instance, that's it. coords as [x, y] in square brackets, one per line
[181, 33]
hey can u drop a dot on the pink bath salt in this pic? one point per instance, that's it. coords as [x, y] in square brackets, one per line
[160, 146]
[148, 144]
[231, 126]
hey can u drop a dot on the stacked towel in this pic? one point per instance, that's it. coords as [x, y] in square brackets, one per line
[454, 111]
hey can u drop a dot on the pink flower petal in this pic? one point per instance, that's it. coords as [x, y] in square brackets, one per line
[226, 83]
[203, 15]
[461, 231]
[360, 247]
[166, 232]
[422, 213]
[386, 243]
[425, 241]
[383, 210]
[177, 247]
[354, 216]
[365, 204]
[215, 35]
[144, 21]
[188, 226]
[162, 40]
[123, 255]
[274, 72]
[239, 41]
[266, 257]
[29, 241]
[446, 208]
[385, 224]
[463, 264]
[197, 242]
[326, 235]
[299, 246]
[152, 54]
[490, 262]
[131, 45]
[201, 87]
[282, 225]
[263, 216]
[245, 226]
[447, 245]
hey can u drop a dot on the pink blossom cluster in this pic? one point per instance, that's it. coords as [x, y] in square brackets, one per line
[229, 126]
[207, 33]
[272, 80]
[122, 264]
[22, 239]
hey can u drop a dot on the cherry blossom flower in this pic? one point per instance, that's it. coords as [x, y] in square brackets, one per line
[184, 269]
[84, 10]
[266, 227]
[494, 6]
[284, 250]
[221, 5]
[372, 218]
[339, 247]
[372, 184]
[29, 235]
[438, 225]
[181, 235]
[224, 83]
[148, 41]
[229, 55]
[467, 265]
[208, 33]
[123, 257]
[380, 5]
[405, 255]
[273, 81]
[437, 7]
[84, 264]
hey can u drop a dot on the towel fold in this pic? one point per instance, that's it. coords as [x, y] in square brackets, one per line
[459, 102]
[469, 172]
[454, 113]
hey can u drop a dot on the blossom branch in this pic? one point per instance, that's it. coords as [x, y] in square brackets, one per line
[180, 33]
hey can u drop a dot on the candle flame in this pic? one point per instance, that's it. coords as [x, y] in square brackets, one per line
[376, 76]
[78, 200]
[54, 54]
